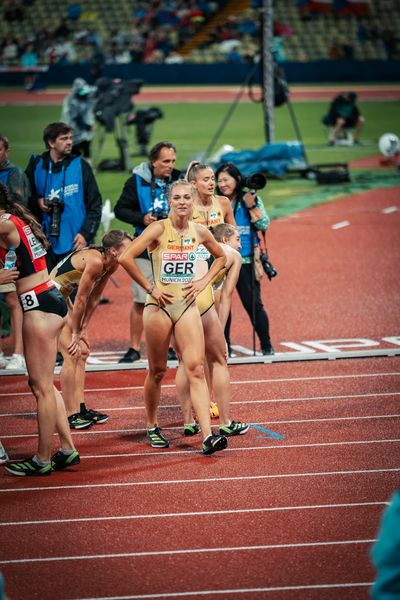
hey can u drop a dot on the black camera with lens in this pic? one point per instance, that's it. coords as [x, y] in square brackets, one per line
[269, 269]
[56, 206]
[256, 181]
[159, 214]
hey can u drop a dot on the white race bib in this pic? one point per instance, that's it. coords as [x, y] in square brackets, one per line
[202, 253]
[29, 300]
[34, 244]
[177, 267]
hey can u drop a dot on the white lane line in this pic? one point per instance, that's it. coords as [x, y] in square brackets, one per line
[206, 480]
[239, 402]
[19, 561]
[171, 453]
[211, 593]
[237, 382]
[195, 514]
[340, 225]
[179, 428]
[389, 209]
[192, 451]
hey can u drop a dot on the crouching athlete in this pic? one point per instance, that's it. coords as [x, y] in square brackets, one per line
[83, 275]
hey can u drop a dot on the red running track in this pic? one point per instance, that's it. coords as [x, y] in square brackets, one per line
[288, 511]
[222, 93]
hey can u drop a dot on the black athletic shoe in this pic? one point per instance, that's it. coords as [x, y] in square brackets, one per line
[234, 428]
[156, 438]
[172, 354]
[268, 351]
[92, 415]
[190, 429]
[59, 460]
[28, 467]
[76, 421]
[130, 356]
[213, 442]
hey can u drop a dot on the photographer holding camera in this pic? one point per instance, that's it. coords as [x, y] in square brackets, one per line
[64, 194]
[250, 217]
[143, 200]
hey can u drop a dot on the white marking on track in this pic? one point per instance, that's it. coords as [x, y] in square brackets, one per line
[195, 514]
[340, 225]
[237, 382]
[211, 593]
[166, 428]
[185, 551]
[389, 209]
[206, 480]
[238, 402]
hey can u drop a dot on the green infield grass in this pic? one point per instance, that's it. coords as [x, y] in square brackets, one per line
[191, 127]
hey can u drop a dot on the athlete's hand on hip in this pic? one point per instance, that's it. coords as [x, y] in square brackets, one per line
[193, 289]
[162, 298]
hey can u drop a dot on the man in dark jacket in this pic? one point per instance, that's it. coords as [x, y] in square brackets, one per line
[144, 199]
[64, 194]
[13, 177]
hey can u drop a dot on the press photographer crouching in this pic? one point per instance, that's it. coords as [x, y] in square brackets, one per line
[251, 217]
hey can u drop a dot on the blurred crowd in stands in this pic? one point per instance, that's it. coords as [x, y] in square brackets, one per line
[157, 31]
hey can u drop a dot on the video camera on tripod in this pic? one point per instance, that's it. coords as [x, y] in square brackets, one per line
[114, 111]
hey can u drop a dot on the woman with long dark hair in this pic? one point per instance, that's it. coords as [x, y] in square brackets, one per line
[250, 217]
[44, 311]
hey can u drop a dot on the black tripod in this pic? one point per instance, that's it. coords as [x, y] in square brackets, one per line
[282, 96]
[124, 163]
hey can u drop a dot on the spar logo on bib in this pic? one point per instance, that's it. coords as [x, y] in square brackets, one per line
[177, 267]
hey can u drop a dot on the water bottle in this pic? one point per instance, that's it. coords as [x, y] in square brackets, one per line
[10, 259]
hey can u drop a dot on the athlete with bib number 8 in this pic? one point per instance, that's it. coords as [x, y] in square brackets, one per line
[171, 308]
[44, 311]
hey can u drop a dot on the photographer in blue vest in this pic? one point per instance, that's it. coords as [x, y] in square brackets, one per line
[144, 199]
[250, 217]
[64, 194]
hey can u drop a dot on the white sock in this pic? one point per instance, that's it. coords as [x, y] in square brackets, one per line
[40, 463]
[66, 452]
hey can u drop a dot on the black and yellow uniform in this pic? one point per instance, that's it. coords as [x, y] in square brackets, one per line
[173, 264]
[67, 277]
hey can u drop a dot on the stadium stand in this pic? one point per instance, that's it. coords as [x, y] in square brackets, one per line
[302, 35]
[41, 32]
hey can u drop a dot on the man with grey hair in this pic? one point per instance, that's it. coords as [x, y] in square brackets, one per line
[142, 201]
